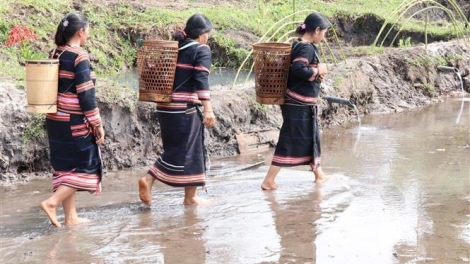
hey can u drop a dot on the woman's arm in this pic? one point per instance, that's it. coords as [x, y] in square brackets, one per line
[202, 67]
[302, 55]
[86, 95]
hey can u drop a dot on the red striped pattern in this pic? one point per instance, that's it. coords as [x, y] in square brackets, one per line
[82, 56]
[79, 181]
[68, 103]
[184, 96]
[85, 86]
[185, 66]
[301, 98]
[176, 179]
[287, 160]
[66, 75]
[191, 67]
[59, 116]
[203, 94]
[202, 68]
[314, 75]
[93, 117]
[172, 106]
[72, 49]
[301, 60]
[80, 130]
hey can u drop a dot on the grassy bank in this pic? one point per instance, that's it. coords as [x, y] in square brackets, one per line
[116, 25]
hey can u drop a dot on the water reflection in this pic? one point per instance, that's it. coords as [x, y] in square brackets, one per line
[399, 193]
[295, 224]
[410, 190]
[180, 237]
[60, 249]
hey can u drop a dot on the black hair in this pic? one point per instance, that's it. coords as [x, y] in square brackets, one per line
[196, 25]
[67, 27]
[312, 22]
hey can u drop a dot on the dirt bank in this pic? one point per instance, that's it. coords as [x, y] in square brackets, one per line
[398, 80]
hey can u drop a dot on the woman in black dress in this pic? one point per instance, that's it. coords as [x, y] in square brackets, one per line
[75, 130]
[299, 138]
[182, 163]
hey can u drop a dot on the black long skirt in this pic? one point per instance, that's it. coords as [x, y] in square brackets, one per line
[182, 163]
[75, 156]
[299, 138]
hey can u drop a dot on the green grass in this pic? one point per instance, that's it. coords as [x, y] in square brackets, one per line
[338, 80]
[35, 128]
[112, 26]
[364, 51]
[429, 61]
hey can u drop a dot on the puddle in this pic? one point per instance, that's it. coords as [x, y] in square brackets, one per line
[398, 193]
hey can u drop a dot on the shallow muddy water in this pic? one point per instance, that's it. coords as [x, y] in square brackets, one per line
[398, 193]
[219, 77]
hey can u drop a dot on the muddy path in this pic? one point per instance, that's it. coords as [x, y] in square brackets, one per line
[398, 193]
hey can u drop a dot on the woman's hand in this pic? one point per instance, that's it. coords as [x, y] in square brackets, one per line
[209, 118]
[99, 134]
[322, 69]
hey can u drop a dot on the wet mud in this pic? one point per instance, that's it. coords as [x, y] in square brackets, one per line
[398, 193]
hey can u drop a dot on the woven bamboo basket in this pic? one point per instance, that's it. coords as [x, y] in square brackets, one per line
[156, 65]
[42, 82]
[271, 67]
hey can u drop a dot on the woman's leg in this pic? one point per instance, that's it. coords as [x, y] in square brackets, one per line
[269, 183]
[320, 175]
[70, 211]
[145, 188]
[190, 197]
[49, 206]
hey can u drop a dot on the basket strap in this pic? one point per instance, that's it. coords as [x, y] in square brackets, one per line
[51, 55]
[182, 48]
[60, 54]
[188, 45]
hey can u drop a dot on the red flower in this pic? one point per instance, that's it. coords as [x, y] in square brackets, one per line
[18, 34]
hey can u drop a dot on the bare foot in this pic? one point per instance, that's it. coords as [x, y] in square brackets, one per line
[320, 177]
[77, 221]
[50, 211]
[321, 180]
[196, 201]
[269, 186]
[145, 190]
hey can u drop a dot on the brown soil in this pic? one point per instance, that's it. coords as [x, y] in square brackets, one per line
[395, 81]
[378, 84]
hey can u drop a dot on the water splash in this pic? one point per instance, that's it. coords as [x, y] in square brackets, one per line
[457, 121]
[457, 72]
[357, 114]
[461, 82]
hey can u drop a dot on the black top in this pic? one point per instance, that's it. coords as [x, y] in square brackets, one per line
[191, 83]
[76, 91]
[303, 84]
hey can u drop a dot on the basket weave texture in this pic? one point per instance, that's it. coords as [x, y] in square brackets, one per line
[156, 65]
[42, 82]
[271, 67]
